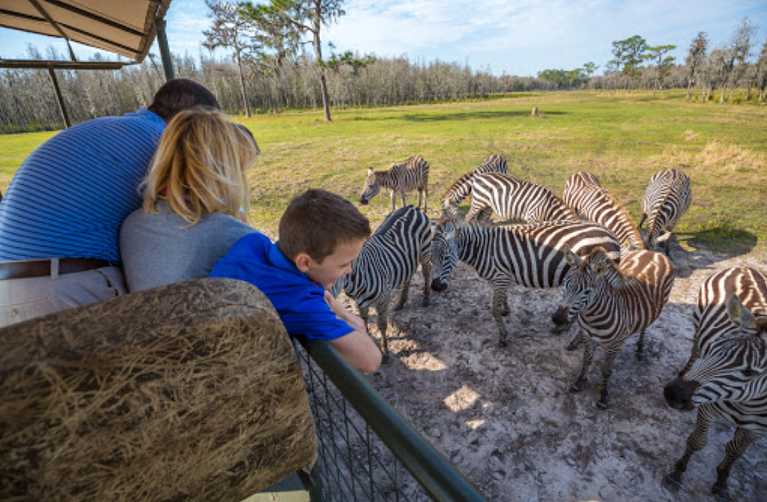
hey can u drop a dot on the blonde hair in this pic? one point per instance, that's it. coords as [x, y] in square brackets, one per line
[199, 167]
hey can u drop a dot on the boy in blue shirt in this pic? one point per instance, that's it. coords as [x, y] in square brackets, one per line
[320, 236]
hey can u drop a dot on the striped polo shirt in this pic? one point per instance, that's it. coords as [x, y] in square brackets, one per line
[71, 194]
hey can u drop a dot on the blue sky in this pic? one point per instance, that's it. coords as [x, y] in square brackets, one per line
[520, 37]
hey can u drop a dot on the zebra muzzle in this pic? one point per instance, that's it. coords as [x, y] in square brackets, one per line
[364, 202]
[438, 285]
[679, 394]
[560, 316]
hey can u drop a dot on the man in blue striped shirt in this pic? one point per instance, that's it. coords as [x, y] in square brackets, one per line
[60, 218]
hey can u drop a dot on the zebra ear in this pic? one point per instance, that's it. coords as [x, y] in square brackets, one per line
[370, 171]
[739, 314]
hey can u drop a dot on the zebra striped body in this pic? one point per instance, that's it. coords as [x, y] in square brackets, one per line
[585, 194]
[666, 199]
[528, 255]
[612, 302]
[461, 189]
[413, 174]
[387, 262]
[515, 199]
[726, 377]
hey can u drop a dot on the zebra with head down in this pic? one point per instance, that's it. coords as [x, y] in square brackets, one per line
[387, 262]
[612, 302]
[412, 174]
[666, 199]
[528, 255]
[726, 377]
[461, 189]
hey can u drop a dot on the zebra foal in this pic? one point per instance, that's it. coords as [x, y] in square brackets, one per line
[515, 199]
[461, 189]
[527, 255]
[612, 302]
[585, 194]
[412, 174]
[387, 262]
[726, 377]
[666, 199]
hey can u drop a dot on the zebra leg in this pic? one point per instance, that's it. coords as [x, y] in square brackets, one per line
[641, 221]
[382, 321]
[426, 272]
[576, 341]
[404, 200]
[588, 354]
[499, 304]
[420, 197]
[640, 346]
[404, 290]
[667, 247]
[474, 210]
[695, 442]
[426, 199]
[607, 370]
[393, 199]
[733, 451]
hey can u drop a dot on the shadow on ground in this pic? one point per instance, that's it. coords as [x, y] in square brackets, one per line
[457, 116]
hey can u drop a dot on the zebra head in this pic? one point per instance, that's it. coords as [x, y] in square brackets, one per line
[580, 284]
[444, 255]
[734, 368]
[371, 188]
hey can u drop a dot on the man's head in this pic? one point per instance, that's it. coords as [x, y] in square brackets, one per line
[180, 94]
[322, 233]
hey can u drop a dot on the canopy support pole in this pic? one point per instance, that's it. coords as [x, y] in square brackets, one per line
[59, 98]
[162, 41]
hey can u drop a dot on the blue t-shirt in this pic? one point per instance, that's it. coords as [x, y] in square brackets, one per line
[298, 300]
[71, 194]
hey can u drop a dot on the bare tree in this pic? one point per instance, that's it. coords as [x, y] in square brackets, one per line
[696, 57]
[739, 51]
[231, 30]
[760, 75]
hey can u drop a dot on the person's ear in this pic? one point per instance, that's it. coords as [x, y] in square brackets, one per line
[303, 262]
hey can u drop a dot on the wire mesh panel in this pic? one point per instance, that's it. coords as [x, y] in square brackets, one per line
[353, 463]
[373, 457]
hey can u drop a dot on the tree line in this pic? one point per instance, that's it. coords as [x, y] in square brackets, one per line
[276, 62]
[636, 64]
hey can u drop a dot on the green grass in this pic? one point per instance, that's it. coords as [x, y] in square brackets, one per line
[622, 137]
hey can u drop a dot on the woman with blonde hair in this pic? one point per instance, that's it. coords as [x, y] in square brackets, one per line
[196, 200]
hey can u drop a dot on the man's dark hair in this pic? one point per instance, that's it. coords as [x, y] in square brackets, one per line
[316, 221]
[181, 94]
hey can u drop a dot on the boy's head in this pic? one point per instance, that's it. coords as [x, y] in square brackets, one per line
[322, 233]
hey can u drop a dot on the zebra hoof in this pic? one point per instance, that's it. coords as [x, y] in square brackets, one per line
[425, 302]
[639, 356]
[576, 387]
[571, 347]
[672, 482]
[719, 489]
[386, 359]
[502, 343]
[602, 405]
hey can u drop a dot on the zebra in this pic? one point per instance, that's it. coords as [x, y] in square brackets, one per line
[412, 174]
[726, 377]
[666, 199]
[459, 190]
[586, 195]
[387, 261]
[514, 199]
[529, 255]
[612, 302]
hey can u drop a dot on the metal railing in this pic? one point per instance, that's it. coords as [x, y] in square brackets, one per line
[366, 450]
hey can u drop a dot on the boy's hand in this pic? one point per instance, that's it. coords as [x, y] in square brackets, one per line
[339, 310]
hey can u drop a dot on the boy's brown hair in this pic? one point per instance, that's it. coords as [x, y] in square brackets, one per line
[316, 221]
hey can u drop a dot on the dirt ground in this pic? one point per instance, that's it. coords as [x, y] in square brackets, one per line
[506, 419]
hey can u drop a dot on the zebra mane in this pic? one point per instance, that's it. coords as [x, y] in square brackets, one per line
[391, 220]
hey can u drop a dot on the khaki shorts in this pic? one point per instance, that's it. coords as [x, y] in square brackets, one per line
[27, 298]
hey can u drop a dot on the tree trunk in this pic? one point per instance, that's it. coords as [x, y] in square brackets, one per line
[242, 81]
[317, 23]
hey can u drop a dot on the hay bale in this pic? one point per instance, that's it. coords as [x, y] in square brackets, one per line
[186, 392]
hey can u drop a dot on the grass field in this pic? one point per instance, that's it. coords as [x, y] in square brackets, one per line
[621, 137]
